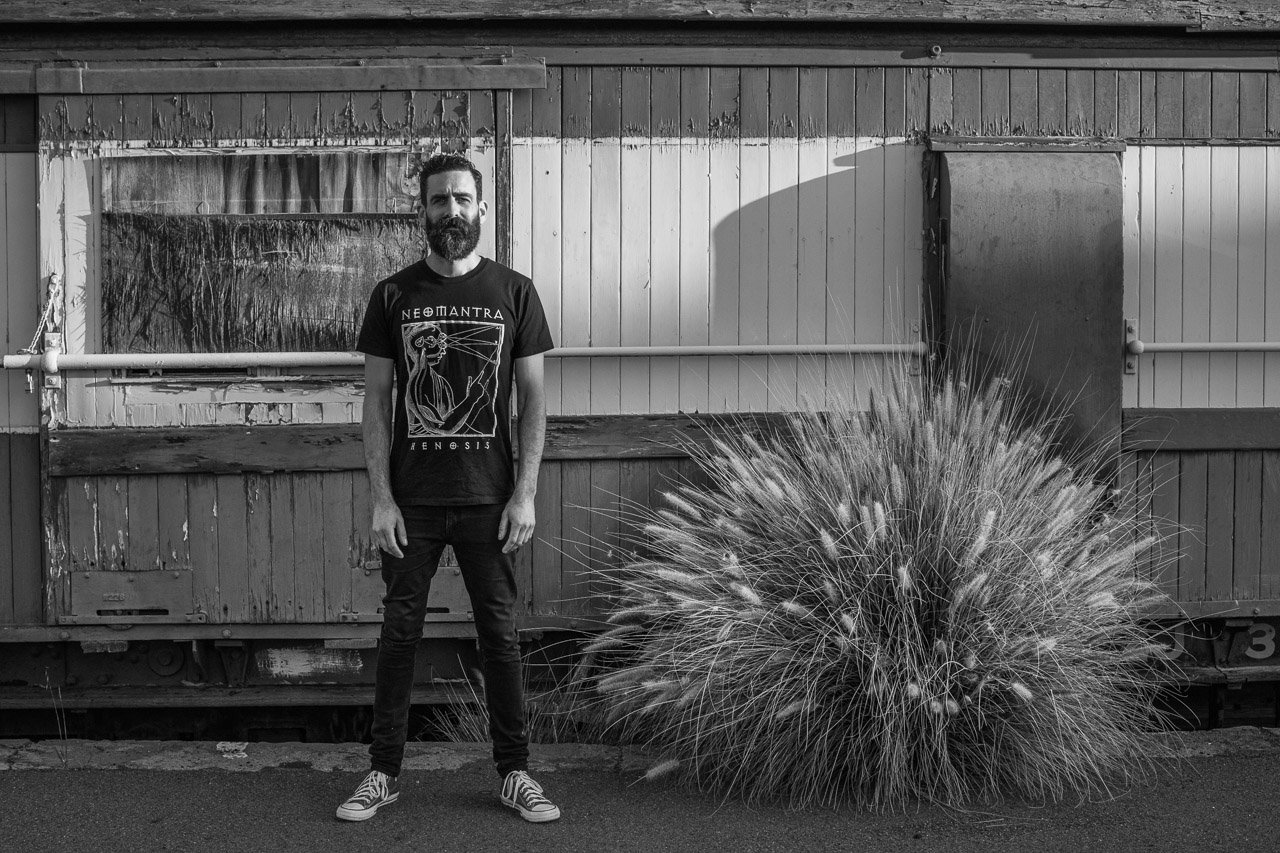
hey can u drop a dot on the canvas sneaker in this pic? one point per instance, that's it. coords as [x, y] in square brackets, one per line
[521, 793]
[377, 790]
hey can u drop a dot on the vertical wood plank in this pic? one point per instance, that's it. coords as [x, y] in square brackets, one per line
[1166, 482]
[233, 560]
[1129, 104]
[144, 522]
[1080, 103]
[605, 239]
[64, 560]
[917, 101]
[1105, 102]
[1192, 514]
[1271, 360]
[895, 100]
[308, 547]
[576, 216]
[1131, 180]
[28, 534]
[1169, 104]
[1149, 100]
[8, 566]
[841, 284]
[280, 582]
[1149, 204]
[1224, 245]
[21, 266]
[634, 236]
[1168, 272]
[1051, 109]
[1197, 104]
[258, 556]
[1252, 273]
[695, 233]
[575, 593]
[753, 294]
[1024, 101]
[547, 241]
[172, 522]
[868, 98]
[1247, 558]
[1226, 104]
[997, 115]
[664, 235]
[724, 192]
[522, 181]
[811, 284]
[940, 100]
[113, 523]
[1253, 105]
[869, 240]
[966, 101]
[338, 520]
[784, 222]
[1269, 570]
[1219, 526]
[548, 551]
[202, 537]
[605, 546]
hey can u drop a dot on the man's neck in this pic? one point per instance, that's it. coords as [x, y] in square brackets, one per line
[451, 269]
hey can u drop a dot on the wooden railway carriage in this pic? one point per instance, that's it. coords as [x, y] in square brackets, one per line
[725, 208]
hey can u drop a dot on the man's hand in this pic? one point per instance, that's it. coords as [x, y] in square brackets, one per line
[388, 528]
[516, 526]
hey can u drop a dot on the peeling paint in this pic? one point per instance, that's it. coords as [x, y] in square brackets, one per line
[299, 663]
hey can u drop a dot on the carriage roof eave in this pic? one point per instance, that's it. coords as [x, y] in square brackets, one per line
[1190, 15]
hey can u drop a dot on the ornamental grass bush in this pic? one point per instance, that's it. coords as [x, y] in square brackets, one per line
[921, 601]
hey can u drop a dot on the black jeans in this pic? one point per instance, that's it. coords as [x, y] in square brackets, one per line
[490, 580]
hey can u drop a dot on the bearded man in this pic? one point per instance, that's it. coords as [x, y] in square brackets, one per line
[451, 332]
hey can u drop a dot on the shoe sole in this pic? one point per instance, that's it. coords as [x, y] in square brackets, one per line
[345, 814]
[534, 817]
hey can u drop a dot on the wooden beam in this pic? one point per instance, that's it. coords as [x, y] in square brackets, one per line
[1128, 13]
[338, 447]
[485, 72]
[1201, 429]
[1239, 15]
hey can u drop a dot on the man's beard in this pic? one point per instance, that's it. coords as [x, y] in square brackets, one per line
[453, 237]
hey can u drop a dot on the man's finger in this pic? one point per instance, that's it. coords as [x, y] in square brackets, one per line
[502, 526]
[401, 535]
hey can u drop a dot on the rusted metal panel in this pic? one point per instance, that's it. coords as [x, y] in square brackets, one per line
[1021, 292]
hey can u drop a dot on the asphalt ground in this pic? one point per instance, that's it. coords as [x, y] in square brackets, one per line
[1221, 791]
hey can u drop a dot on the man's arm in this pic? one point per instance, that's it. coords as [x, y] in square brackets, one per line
[518, 517]
[387, 526]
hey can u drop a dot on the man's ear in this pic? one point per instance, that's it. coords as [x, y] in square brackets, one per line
[484, 209]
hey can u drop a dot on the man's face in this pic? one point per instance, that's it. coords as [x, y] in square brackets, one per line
[453, 215]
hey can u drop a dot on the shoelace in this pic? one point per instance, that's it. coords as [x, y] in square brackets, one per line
[372, 787]
[529, 792]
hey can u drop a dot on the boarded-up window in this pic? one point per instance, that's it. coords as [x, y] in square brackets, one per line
[250, 252]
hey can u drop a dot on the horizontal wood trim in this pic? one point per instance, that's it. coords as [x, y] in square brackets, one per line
[1138, 13]
[339, 447]
[1201, 429]
[178, 78]
[1028, 145]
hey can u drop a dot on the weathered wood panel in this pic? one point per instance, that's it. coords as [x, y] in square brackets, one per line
[1202, 429]
[338, 447]
[285, 547]
[1199, 224]
[1214, 511]
[704, 218]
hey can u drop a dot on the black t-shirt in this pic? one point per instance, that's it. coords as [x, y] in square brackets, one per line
[454, 341]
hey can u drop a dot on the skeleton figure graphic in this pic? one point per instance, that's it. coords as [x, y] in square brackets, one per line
[453, 371]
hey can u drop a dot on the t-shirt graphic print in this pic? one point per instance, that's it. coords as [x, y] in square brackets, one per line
[455, 342]
[437, 350]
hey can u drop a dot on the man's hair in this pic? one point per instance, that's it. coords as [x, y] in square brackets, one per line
[448, 163]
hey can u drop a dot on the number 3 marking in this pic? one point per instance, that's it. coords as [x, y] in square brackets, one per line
[1263, 635]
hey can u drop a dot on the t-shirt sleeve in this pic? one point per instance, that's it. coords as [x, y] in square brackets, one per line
[375, 333]
[532, 334]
